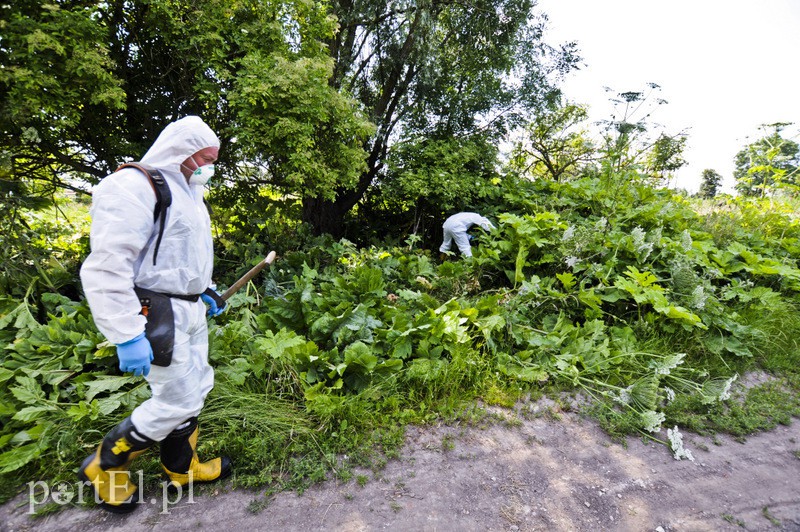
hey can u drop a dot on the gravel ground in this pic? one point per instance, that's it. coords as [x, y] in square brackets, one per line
[531, 473]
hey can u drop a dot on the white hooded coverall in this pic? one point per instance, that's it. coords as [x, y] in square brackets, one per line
[122, 239]
[456, 227]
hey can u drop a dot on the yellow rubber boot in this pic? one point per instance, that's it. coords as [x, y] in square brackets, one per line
[107, 470]
[180, 462]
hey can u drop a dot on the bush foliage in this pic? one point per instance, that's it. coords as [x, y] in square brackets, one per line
[640, 297]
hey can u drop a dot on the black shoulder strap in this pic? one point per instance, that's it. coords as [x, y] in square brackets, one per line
[163, 197]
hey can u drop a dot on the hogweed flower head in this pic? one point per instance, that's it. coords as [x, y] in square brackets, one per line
[652, 420]
[699, 297]
[676, 444]
[624, 396]
[670, 394]
[726, 388]
[665, 365]
[655, 236]
[686, 240]
[717, 389]
[424, 282]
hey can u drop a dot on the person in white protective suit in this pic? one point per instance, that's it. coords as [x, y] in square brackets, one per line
[456, 227]
[122, 260]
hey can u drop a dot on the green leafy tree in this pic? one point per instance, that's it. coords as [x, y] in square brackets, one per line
[710, 184]
[314, 95]
[59, 93]
[768, 164]
[295, 131]
[88, 85]
[665, 156]
[436, 70]
[554, 144]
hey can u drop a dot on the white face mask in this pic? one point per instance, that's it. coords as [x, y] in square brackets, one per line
[202, 175]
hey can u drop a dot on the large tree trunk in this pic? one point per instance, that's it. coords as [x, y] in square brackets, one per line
[328, 216]
[324, 216]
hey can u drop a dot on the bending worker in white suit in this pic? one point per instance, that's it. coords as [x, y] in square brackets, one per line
[146, 283]
[456, 227]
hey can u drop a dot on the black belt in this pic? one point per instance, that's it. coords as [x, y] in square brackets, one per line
[185, 297]
[188, 297]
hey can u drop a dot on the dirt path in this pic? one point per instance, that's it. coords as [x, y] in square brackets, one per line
[531, 474]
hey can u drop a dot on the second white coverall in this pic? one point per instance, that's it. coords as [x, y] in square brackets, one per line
[456, 227]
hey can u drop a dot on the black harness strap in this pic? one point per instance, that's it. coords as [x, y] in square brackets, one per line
[163, 197]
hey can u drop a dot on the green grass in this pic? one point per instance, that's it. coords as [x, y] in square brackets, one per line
[771, 518]
[733, 520]
[757, 409]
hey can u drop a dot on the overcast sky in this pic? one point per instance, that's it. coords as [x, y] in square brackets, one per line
[724, 66]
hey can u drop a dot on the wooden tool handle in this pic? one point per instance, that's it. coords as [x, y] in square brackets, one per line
[249, 275]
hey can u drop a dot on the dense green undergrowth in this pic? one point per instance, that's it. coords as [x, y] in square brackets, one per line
[649, 303]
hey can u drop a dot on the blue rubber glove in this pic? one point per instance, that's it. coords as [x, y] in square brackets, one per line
[135, 355]
[213, 309]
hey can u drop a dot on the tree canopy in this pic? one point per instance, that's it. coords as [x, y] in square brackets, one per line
[710, 183]
[554, 143]
[768, 164]
[309, 98]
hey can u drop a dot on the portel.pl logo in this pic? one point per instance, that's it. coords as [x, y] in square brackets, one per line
[64, 493]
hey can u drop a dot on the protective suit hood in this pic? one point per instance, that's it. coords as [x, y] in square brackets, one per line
[123, 234]
[178, 141]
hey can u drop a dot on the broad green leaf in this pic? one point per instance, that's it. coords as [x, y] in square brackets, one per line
[402, 348]
[237, 370]
[388, 367]
[277, 344]
[681, 314]
[105, 350]
[28, 391]
[107, 383]
[30, 413]
[5, 374]
[15, 458]
[83, 410]
[590, 299]
[567, 280]
[108, 405]
[359, 354]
